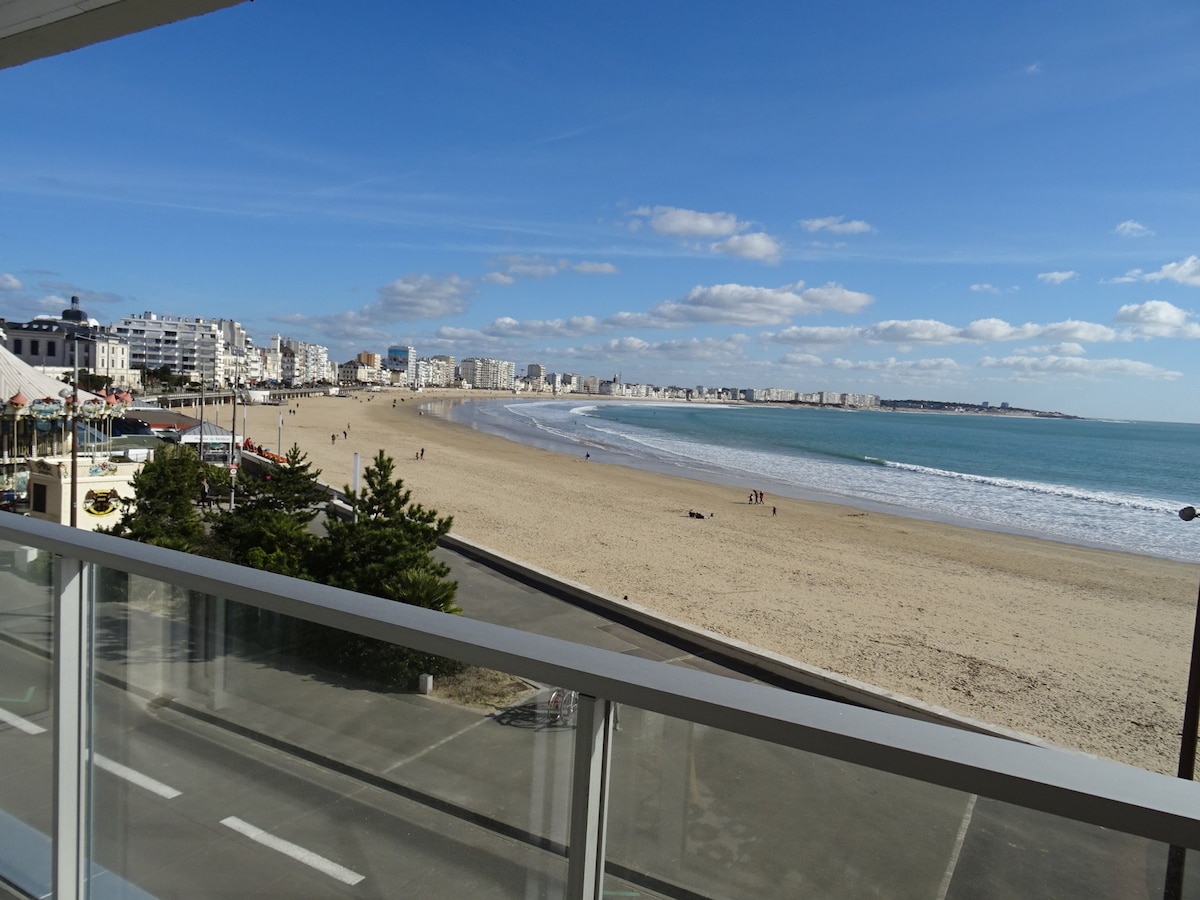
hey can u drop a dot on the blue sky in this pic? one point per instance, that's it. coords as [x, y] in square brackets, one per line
[952, 201]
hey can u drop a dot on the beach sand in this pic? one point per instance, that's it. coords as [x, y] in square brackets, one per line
[1085, 648]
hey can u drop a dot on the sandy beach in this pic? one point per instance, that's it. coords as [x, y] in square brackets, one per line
[1086, 648]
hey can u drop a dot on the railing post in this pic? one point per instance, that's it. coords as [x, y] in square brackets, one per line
[589, 799]
[72, 725]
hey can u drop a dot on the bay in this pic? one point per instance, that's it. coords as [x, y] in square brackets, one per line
[1112, 484]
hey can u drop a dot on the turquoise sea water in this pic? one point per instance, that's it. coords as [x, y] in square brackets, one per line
[1112, 484]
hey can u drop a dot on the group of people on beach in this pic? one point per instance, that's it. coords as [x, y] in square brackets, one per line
[756, 498]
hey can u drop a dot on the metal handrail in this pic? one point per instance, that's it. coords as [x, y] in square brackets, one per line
[1071, 785]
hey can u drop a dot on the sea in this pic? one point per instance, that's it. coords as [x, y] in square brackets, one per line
[1117, 485]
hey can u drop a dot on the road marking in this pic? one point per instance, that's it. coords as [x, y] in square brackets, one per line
[434, 746]
[17, 722]
[135, 777]
[944, 888]
[296, 852]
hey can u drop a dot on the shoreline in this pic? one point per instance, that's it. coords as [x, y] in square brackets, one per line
[509, 430]
[1082, 646]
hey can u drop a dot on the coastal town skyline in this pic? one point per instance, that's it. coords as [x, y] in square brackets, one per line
[876, 201]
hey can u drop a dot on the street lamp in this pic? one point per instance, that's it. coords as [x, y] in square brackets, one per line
[1173, 889]
[71, 397]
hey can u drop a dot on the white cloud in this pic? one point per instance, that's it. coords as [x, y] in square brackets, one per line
[1046, 368]
[1157, 318]
[1131, 228]
[595, 268]
[837, 298]
[9, 282]
[1186, 271]
[806, 360]
[837, 225]
[418, 296]
[711, 350]
[1034, 68]
[1130, 276]
[452, 333]
[498, 278]
[756, 245]
[815, 334]
[900, 366]
[1067, 348]
[934, 333]
[739, 304]
[1056, 277]
[533, 270]
[985, 288]
[1074, 330]
[576, 326]
[689, 222]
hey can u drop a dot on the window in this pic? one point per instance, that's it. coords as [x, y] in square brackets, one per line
[34, 348]
[17, 349]
[51, 348]
[39, 498]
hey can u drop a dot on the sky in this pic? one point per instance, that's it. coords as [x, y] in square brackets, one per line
[945, 201]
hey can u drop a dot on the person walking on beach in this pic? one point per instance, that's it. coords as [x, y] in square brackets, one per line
[422, 456]
[333, 439]
[773, 511]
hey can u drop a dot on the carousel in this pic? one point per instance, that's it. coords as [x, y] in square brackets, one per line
[55, 444]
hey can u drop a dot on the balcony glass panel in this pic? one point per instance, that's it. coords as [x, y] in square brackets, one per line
[26, 711]
[700, 812]
[240, 752]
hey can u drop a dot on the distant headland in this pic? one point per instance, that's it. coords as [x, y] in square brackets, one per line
[945, 406]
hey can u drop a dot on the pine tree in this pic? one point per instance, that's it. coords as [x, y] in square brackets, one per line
[163, 509]
[269, 527]
[389, 535]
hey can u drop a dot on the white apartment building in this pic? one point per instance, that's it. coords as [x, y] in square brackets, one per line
[192, 347]
[310, 363]
[488, 374]
[770, 395]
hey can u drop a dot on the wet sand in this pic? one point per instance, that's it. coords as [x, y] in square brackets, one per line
[1083, 647]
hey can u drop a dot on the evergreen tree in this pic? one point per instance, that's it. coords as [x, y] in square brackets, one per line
[269, 528]
[163, 509]
[384, 552]
[389, 535]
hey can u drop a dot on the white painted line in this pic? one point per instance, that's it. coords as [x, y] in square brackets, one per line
[944, 888]
[320, 863]
[433, 746]
[17, 722]
[135, 777]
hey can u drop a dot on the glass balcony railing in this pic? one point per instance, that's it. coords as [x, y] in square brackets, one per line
[174, 726]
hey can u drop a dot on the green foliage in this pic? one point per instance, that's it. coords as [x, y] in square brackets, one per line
[386, 552]
[293, 488]
[390, 535]
[269, 527]
[163, 509]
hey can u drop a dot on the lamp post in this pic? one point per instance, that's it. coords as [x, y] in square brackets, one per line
[1177, 856]
[74, 419]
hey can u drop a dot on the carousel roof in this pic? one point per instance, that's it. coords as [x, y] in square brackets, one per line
[18, 377]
